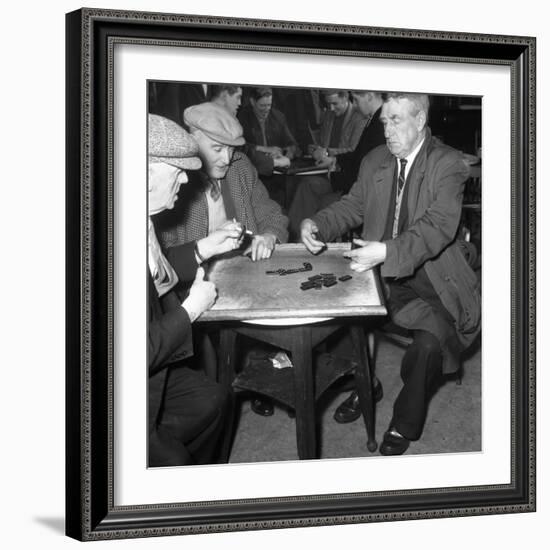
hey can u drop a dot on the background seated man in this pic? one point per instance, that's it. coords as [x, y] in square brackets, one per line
[187, 411]
[408, 199]
[227, 188]
[317, 192]
[341, 126]
[269, 141]
[228, 96]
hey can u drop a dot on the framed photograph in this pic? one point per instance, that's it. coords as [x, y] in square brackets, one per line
[167, 96]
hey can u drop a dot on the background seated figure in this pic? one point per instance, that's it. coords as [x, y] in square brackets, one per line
[341, 126]
[228, 96]
[269, 141]
[317, 192]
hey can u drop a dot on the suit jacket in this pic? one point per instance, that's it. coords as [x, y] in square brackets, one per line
[434, 203]
[352, 127]
[277, 133]
[169, 341]
[245, 198]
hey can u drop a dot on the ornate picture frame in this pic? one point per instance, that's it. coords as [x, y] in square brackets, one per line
[91, 509]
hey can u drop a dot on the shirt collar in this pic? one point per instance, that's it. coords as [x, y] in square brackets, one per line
[412, 155]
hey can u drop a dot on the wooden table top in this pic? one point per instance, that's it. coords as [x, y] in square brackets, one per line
[246, 292]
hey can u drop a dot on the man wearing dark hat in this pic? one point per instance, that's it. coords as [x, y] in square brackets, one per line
[187, 411]
[226, 188]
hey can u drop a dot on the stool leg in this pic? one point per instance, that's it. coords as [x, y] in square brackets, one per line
[304, 394]
[363, 380]
[225, 376]
[208, 355]
[226, 357]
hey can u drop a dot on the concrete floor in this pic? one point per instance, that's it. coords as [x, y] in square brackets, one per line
[453, 423]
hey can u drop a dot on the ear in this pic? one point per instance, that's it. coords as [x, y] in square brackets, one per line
[421, 120]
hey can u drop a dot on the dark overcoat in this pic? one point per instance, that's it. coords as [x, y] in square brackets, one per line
[169, 342]
[277, 133]
[352, 127]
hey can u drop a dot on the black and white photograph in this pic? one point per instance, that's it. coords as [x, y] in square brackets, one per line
[314, 273]
[274, 275]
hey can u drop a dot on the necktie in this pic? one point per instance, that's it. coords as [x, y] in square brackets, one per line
[401, 180]
[398, 197]
[215, 190]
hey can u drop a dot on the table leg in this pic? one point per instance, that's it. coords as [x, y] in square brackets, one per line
[304, 393]
[363, 381]
[226, 358]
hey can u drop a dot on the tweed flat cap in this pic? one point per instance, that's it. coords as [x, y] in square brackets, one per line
[214, 121]
[170, 143]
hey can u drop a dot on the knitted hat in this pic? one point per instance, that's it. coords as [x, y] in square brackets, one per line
[170, 143]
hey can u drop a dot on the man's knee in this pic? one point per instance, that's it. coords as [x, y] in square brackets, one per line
[426, 343]
[220, 398]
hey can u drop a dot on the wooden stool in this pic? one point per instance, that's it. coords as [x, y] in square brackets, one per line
[299, 387]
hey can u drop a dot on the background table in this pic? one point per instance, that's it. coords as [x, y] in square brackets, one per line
[298, 168]
[304, 319]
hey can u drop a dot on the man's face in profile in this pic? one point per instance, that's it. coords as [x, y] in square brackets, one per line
[233, 102]
[337, 104]
[164, 184]
[364, 103]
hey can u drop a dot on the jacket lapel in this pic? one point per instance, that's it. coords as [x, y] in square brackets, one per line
[378, 207]
[327, 130]
[414, 180]
[227, 186]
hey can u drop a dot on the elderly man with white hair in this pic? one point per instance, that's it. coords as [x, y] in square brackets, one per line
[187, 411]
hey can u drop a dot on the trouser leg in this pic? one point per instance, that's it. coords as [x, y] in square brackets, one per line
[195, 413]
[420, 367]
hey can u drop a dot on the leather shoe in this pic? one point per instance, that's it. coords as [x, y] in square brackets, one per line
[350, 410]
[394, 443]
[262, 406]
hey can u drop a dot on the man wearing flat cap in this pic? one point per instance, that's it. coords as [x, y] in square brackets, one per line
[187, 411]
[226, 188]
